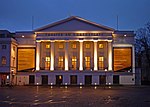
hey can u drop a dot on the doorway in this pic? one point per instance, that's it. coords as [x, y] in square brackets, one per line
[59, 79]
[116, 79]
[88, 79]
[102, 79]
[31, 79]
[73, 79]
[44, 79]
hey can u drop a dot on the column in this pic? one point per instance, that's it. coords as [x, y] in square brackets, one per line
[52, 56]
[95, 55]
[81, 55]
[109, 55]
[37, 55]
[66, 54]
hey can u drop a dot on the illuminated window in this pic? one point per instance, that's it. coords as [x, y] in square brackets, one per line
[47, 46]
[74, 46]
[87, 63]
[87, 45]
[60, 62]
[47, 59]
[47, 63]
[74, 62]
[3, 60]
[101, 46]
[101, 63]
[61, 46]
[3, 46]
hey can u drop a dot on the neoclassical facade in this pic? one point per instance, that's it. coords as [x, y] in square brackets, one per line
[75, 51]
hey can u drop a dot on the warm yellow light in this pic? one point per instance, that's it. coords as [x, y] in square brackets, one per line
[81, 55]
[38, 56]
[37, 61]
[80, 32]
[52, 56]
[60, 77]
[66, 56]
[66, 62]
[95, 55]
[52, 63]
[109, 56]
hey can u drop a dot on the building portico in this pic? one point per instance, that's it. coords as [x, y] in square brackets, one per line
[75, 51]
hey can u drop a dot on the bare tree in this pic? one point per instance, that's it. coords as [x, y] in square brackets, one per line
[142, 46]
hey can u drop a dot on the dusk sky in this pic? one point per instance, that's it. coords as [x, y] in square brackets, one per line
[16, 15]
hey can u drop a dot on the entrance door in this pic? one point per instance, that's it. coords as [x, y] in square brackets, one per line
[31, 79]
[88, 79]
[73, 79]
[116, 79]
[44, 79]
[59, 79]
[102, 79]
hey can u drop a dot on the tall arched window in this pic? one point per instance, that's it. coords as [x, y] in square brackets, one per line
[3, 60]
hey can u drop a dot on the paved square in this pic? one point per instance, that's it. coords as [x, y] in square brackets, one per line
[47, 96]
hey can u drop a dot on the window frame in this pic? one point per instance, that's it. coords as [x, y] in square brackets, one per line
[4, 46]
[3, 60]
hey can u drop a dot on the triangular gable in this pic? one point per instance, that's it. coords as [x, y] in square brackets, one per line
[73, 23]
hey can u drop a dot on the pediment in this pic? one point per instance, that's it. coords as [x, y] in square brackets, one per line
[73, 23]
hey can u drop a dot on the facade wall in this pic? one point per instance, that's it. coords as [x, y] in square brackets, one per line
[72, 51]
[127, 80]
[23, 79]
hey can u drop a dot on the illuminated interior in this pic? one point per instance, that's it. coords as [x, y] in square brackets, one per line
[101, 63]
[87, 63]
[122, 59]
[74, 63]
[26, 59]
[60, 63]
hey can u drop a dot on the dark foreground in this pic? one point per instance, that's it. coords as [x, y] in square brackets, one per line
[47, 96]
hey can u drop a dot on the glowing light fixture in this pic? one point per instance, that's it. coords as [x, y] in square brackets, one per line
[7, 77]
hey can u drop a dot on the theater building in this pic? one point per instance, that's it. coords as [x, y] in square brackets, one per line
[75, 51]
